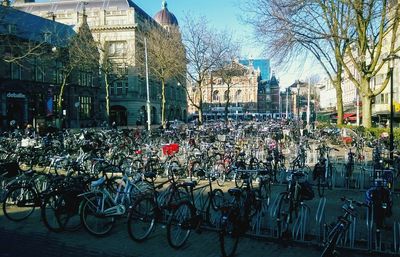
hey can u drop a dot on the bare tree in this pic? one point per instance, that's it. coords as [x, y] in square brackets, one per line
[81, 54]
[229, 73]
[296, 29]
[166, 58]
[205, 48]
[112, 71]
[339, 34]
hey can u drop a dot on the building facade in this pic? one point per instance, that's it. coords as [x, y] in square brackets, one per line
[116, 25]
[31, 74]
[248, 94]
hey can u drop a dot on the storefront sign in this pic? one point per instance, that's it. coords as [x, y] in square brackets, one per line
[16, 95]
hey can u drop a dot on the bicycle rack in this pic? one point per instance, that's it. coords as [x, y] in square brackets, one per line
[300, 226]
[272, 214]
[370, 226]
[396, 237]
[320, 218]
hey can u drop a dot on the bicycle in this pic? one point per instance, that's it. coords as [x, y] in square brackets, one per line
[323, 170]
[290, 201]
[187, 215]
[100, 206]
[236, 218]
[340, 228]
[150, 207]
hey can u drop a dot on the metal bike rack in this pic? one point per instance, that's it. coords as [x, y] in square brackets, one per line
[370, 228]
[299, 229]
[396, 237]
[320, 218]
[272, 216]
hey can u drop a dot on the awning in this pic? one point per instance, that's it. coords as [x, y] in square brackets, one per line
[347, 115]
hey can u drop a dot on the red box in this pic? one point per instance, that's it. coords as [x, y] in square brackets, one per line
[170, 149]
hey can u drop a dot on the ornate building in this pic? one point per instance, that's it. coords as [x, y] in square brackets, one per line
[31, 73]
[243, 94]
[268, 97]
[116, 24]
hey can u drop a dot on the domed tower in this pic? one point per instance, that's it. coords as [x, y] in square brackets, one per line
[165, 18]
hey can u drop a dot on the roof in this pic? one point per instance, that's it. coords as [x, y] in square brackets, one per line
[77, 5]
[165, 17]
[33, 28]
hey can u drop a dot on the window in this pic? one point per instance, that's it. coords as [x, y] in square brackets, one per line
[215, 95]
[119, 88]
[117, 48]
[126, 88]
[85, 110]
[15, 71]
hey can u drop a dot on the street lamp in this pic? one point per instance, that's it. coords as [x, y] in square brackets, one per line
[391, 58]
[298, 101]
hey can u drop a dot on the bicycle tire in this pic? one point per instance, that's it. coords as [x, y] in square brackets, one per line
[68, 212]
[329, 248]
[283, 212]
[228, 236]
[180, 223]
[141, 219]
[321, 186]
[264, 193]
[20, 195]
[48, 212]
[217, 199]
[89, 208]
[219, 172]
[238, 179]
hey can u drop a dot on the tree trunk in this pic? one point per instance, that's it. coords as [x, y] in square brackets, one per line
[366, 111]
[339, 102]
[107, 98]
[200, 109]
[227, 105]
[163, 103]
[60, 97]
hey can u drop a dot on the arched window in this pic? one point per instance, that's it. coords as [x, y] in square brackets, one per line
[226, 95]
[215, 95]
[238, 96]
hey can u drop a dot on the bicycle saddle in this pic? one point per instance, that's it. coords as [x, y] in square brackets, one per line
[235, 191]
[190, 184]
[98, 182]
[150, 175]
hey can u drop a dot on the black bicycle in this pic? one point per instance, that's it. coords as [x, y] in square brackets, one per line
[339, 229]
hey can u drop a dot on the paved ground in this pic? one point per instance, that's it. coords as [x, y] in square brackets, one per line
[30, 238]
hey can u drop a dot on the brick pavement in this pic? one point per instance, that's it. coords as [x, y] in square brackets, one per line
[30, 236]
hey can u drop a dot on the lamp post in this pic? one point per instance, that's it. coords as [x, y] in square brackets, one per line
[298, 101]
[391, 58]
[147, 89]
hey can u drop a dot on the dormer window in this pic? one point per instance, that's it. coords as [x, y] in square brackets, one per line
[47, 37]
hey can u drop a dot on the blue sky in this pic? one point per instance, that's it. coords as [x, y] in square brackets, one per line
[225, 14]
[221, 14]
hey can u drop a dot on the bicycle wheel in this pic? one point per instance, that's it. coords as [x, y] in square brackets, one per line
[68, 211]
[329, 248]
[48, 211]
[264, 193]
[321, 186]
[238, 179]
[217, 199]
[92, 215]
[219, 172]
[141, 219]
[283, 213]
[228, 235]
[180, 224]
[20, 202]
